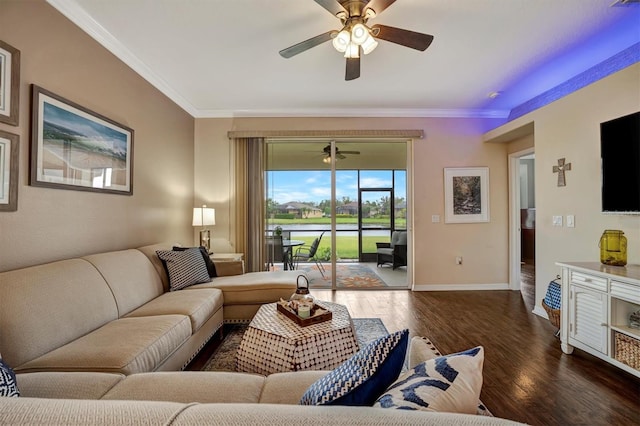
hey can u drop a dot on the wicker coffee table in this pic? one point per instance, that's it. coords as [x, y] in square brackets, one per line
[274, 343]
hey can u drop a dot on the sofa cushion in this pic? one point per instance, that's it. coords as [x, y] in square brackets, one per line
[421, 349]
[254, 287]
[185, 268]
[190, 386]
[8, 384]
[47, 306]
[75, 385]
[288, 388]
[361, 379]
[198, 305]
[131, 277]
[450, 383]
[126, 345]
[211, 268]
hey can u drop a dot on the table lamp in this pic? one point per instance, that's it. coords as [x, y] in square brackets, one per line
[204, 216]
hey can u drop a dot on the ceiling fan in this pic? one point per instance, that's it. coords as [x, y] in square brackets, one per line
[326, 152]
[355, 36]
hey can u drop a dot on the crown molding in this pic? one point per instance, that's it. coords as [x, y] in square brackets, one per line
[355, 112]
[82, 19]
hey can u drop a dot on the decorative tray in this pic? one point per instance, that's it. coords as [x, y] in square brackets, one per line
[318, 314]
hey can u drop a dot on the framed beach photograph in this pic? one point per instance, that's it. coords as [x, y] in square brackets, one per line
[9, 160]
[9, 84]
[466, 194]
[75, 148]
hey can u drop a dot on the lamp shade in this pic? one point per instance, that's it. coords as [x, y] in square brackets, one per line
[204, 216]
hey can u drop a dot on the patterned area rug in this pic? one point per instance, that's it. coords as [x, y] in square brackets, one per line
[349, 275]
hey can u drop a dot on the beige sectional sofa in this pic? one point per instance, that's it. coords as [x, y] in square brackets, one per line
[99, 339]
[197, 398]
[112, 312]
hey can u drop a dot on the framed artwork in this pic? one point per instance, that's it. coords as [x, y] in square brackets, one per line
[9, 84]
[9, 160]
[466, 194]
[75, 148]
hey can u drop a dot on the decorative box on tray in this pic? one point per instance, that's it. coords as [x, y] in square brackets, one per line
[317, 313]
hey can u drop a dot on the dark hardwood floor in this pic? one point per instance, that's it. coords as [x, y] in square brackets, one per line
[526, 376]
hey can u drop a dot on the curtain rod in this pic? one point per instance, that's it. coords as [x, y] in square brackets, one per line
[337, 134]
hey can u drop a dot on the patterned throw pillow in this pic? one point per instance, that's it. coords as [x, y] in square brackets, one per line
[8, 384]
[185, 268]
[449, 383]
[363, 377]
[211, 267]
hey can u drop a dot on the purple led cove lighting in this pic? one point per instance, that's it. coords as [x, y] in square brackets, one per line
[611, 49]
[614, 64]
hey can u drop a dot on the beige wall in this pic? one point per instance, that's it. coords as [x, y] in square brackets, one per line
[447, 143]
[570, 128]
[51, 224]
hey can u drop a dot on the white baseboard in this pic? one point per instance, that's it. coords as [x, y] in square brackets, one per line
[460, 287]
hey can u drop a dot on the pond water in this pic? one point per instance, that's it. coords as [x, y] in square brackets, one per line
[343, 230]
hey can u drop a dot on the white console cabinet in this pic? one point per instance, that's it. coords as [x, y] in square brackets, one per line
[596, 303]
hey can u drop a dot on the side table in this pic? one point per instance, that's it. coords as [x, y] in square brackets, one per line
[226, 257]
[274, 343]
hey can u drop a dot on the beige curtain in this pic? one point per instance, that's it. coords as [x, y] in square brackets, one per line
[248, 154]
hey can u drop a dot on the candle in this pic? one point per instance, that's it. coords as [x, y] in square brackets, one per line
[304, 311]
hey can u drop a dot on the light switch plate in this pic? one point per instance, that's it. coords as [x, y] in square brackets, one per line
[435, 218]
[557, 220]
[571, 221]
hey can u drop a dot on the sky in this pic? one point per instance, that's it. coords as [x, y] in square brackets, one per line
[313, 186]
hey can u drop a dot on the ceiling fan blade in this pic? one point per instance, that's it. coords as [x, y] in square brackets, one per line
[412, 39]
[307, 44]
[340, 156]
[379, 5]
[333, 6]
[353, 69]
[350, 152]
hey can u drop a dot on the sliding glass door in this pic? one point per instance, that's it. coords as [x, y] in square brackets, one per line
[331, 202]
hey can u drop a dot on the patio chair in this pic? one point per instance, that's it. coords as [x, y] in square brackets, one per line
[274, 250]
[307, 253]
[394, 252]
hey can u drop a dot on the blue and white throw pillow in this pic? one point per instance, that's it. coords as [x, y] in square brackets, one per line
[185, 268]
[361, 379]
[8, 383]
[450, 383]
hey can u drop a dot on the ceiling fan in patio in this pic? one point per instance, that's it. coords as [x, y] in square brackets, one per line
[355, 36]
[340, 155]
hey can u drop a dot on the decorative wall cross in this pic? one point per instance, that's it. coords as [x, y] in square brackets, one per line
[560, 169]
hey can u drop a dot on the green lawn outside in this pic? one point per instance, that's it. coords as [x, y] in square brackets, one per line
[346, 247]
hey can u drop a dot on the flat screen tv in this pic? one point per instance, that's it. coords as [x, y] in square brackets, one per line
[620, 155]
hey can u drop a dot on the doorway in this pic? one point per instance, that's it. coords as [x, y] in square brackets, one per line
[522, 224]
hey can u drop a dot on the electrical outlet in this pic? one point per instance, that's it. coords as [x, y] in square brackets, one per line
[557, 220]
[459, 260]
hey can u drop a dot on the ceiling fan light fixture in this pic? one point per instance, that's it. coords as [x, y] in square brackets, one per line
[342, 41]
[327, 159]
[369, 45]
[353, 51]
[359, 34]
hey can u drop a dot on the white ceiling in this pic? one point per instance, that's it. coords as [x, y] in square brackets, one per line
[219, 58]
